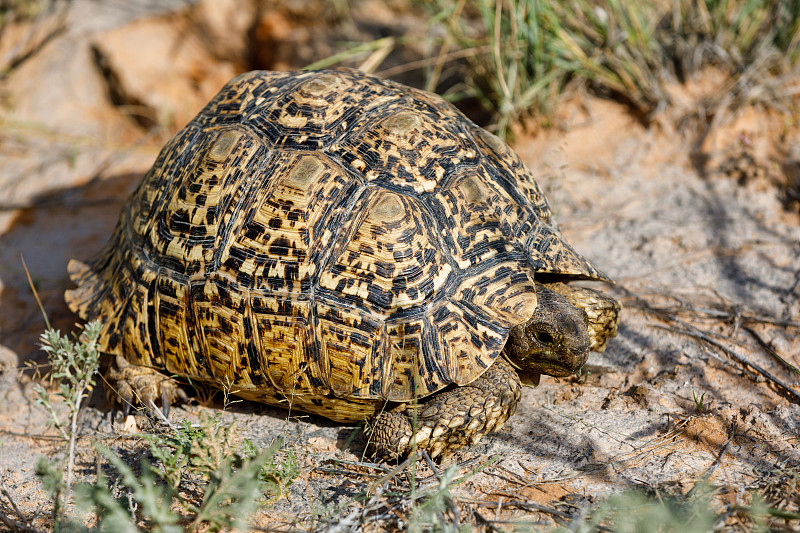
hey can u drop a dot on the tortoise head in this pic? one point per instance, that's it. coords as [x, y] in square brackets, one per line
[555, 341]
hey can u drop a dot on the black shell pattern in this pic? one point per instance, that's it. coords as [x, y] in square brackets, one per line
[328, 240]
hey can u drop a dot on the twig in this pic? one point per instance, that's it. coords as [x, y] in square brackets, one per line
[18, 57]
[341, 472]
[770, 350]
[160, 416]
[378, 56]
[371, 46]
[695, 332]
[777, 513]
[36, 436]
[35, 293]
[362, 464]
[741, 359]
[481, 520]
[422, 63]
[443, 487]
[528, 506]
[399, 468]
[638, 302]
[12, 524]
[441, 58]
[431, 465]
[15, 526]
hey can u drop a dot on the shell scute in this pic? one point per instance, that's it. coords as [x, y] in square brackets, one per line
[278, 241]
[405, 148]
[389, 259]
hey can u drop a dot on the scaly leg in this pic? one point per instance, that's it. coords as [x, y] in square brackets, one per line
[449, 420]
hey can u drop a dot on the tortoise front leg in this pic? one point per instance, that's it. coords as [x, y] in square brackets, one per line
[140, 385]
[602, 311]
[449, 420]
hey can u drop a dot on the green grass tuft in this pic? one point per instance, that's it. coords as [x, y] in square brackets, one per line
[632, 51]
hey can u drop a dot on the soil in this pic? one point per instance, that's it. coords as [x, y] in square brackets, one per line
[694, 226]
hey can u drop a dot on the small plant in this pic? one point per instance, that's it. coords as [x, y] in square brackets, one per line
[227, 484]
[437, 511]
[74, 364]
[636, 511]
[698, 401]
[275, 477]
[229, 497]
[200, 450]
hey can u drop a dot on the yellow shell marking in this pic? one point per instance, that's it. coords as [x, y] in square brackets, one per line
[494, 142]
[320, 85]
[306, 172]
[224, 146]
[402, 123]
[474, 191]
[388, 209]
[290, 121]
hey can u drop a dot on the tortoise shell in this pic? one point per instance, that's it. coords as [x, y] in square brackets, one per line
[328, 241]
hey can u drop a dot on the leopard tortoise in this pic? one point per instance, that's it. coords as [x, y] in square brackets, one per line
[343, 245]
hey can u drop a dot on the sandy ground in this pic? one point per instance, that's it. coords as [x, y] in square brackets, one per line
[705, 256]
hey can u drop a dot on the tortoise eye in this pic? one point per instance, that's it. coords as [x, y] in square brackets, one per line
[544, 337]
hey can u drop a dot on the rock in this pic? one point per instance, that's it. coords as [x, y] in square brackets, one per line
[159, 70]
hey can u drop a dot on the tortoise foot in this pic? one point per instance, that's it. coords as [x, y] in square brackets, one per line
[449, 420]
[602, 311]
[139, 385]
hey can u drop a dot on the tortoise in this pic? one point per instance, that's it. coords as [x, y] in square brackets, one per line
[343, 245]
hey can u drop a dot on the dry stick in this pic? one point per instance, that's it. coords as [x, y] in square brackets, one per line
[713, 313]
[35, 436]
[363, 464]
[441, 58]
[35, 294]
[422, 63]
[341, 472]
[399, 468]
[448, 498]
[481, 520]
[497, 58]
[422, 484]
[692, 331]
[528, 506]
[378, 56]
[15, 526]
[10, 522]
[770, 350]
[33, 48]
[739, 358]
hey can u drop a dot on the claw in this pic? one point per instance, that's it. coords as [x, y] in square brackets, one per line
[182, 396]
[165, 403]
[140, 385]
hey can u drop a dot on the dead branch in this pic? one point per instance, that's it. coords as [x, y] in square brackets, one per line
[700, 335]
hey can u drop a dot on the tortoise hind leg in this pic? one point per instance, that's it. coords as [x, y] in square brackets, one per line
[141, 385]
[449, 420]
